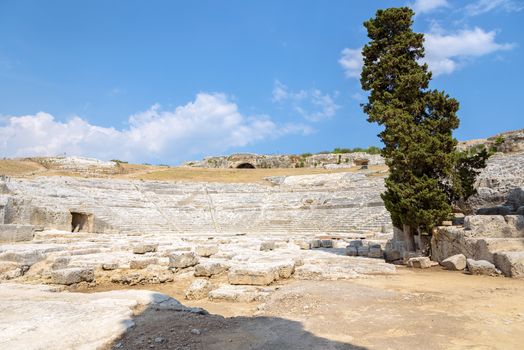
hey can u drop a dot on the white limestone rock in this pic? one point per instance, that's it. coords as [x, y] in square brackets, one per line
[455, 263]
[183, 260]
[257, 274]
[482, 267]
[72, 275]
[36, 317]
[510, 263]
[267, 246]
[198, 289]
[142, 263]
[422, 262]
[210, 268]
[206, 250]
[142, 248]
[245, 294]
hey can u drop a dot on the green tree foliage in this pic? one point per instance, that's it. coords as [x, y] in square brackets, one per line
[417, 122]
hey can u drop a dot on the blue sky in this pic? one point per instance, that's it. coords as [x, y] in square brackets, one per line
[168, 81]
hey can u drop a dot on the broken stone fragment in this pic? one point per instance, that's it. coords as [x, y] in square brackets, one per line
[510, 263]
[266, 246]
[363, 251]
[182, 260]
[315, 243]
[142, 263]
[244, 294]
[198, 289]
[303, 245]
[254, 274]
[392, 255]
[208, 269]
[356, 243]
[109, 266]
[351, 250]
[326, 243]
[375, 251]
[142, 248]
[206, 250]
[455, 262]
[422, 262]
[72, 275]
[482, 267]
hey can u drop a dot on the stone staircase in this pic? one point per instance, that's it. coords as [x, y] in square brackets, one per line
[337, 204]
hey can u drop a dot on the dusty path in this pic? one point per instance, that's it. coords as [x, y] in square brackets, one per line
[415, 309]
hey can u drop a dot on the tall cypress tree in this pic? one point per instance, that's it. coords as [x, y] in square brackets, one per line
[417, 122]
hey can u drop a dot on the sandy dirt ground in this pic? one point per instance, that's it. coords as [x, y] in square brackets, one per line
[415, 309]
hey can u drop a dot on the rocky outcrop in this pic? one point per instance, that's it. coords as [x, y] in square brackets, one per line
[323, 160]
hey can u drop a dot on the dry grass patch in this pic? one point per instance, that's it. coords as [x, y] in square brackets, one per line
[236, 175]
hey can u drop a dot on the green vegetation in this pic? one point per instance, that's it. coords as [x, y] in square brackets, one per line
[499, 140]
[118, 161]
[427, 175]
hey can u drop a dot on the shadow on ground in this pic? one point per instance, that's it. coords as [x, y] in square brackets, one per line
[157, 328]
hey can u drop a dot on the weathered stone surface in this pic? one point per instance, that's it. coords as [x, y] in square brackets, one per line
[375, 252]
[244, 294]
[142, 248]
[110, 266]
[422, 262]
[520, 211]
[206, 250]
[257, 274]
[267, 246]
[183, 260]
[315, 243]
[455, 263]
[198, 289]
[356, 243]
[392, 255]
[36, 317]
[72, 275]
[142, 263]
[510, 263]
[481, 267]
[498, 210]
[209, 268]
[351, 250]
[363, 250]
[16, 233]
[326, 243]
[303, 245]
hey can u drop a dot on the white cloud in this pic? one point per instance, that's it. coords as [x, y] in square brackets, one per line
[209, 124]
[352, 62]
[424, 6]
[311, 104]
[446, 53]
[483, 6]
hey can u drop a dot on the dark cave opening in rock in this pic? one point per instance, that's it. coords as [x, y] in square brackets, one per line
[246, 166]
[80, 222]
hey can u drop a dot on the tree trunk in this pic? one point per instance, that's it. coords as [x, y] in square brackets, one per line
[409, 238]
